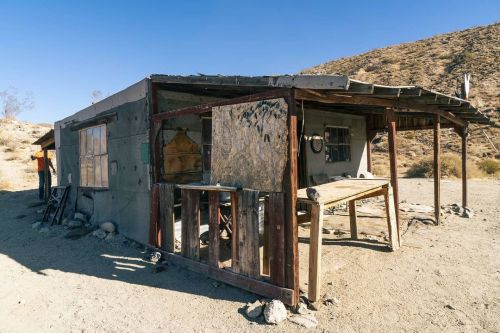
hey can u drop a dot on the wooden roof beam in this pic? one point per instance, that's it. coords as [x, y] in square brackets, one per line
[373, 101]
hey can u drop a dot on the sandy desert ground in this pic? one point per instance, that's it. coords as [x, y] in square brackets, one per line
[444, 279]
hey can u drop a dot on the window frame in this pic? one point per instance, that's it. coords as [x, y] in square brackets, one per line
[91, 157]
[328, 144]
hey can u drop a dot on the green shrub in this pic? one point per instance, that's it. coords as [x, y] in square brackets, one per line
[490, 166]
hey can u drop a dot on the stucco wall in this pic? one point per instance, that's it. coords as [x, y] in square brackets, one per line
[126, 202]
[315, 122]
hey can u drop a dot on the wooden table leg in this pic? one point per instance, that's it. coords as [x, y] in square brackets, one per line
[315, 252]
[353, 219]
[392, 224]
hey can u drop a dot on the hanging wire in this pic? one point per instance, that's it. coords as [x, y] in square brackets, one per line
[302, 129]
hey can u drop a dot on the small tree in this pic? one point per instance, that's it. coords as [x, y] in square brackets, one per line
[13, 105]
[96, 96]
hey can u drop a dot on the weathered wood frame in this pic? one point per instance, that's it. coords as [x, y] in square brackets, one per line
[281, 239]
[314, 279]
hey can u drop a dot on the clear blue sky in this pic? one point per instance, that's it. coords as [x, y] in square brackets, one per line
[63, 50]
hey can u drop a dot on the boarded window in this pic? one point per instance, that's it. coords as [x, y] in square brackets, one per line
[250, 142]
[337, 144]
[94, 157]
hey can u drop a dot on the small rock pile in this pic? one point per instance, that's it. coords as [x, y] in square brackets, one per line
[275, 312]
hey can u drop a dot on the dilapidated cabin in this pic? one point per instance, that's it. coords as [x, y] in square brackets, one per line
[165, 148]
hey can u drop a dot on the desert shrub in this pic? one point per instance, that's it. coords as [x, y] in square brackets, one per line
[380, 170]
[489, 166]
[451, 166]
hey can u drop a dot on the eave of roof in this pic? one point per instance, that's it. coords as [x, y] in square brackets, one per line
[338, 85]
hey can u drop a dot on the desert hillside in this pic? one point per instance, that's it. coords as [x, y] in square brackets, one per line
[438, 63]
[17, 170]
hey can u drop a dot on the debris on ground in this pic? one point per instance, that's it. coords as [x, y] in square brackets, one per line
[416, 208]
[80, 216]
[44, 230]
[72, 224]
[468, 213]
[36, 224]
[330, 300]
[275, 312]
[254, 310]
[307, 321]
[99, 233]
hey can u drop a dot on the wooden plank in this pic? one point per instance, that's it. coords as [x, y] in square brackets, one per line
[207, 188]
[464, 167]
[346, 189]
[277, 238]
[224, 275]
[167, 218]
[46, 172]
[235, 257]
[265, 252]
[394, 230]
[353, 219]
[314, 286]
[437, 169]
[290, 186]
[391, 122]
[248, 233]
[153, 216]
[190, 226]
[213, 228]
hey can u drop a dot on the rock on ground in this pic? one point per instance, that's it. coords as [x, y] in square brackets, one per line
[108, 227]
[275, 312]
[99, 233]
[36, 225]
[254, 309]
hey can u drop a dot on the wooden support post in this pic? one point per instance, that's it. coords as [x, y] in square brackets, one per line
[392, 225]
[213, 228]
[315, 243]
[153, 216]
[46, 175]
[235, 257]
[166, 229]
[265, 250]
[277, 238]
[190, 227]
[437, 168]
[248, 234]
[353, 219]
[464, 167]
[391, 124]
[290, 184]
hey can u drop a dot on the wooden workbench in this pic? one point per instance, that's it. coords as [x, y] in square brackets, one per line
[339, 192]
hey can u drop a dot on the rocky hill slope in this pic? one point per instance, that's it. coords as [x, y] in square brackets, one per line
[17, 170]
[439, 63]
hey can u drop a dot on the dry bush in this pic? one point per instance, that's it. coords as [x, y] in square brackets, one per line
[381, 170]
[4, 183]
[451, 166]
[490, 166]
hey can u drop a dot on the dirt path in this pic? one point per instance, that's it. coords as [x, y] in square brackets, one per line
[444, 278]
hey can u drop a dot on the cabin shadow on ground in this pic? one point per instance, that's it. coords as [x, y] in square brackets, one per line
[43, 252]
